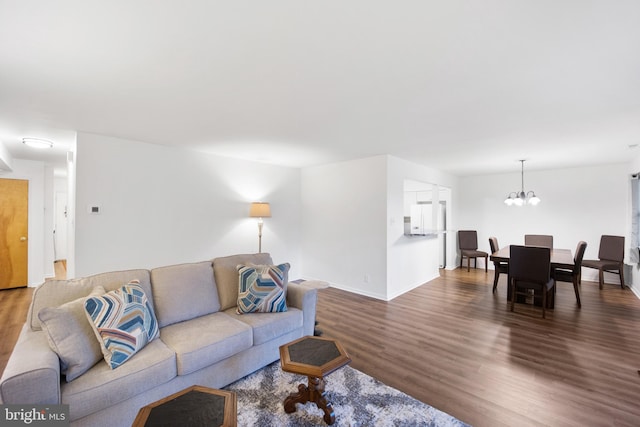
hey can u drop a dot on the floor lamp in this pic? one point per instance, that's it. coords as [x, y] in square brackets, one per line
[260, 210]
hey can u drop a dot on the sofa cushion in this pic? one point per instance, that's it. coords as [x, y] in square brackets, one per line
[267, 326]
[54, 293]
[262, 288]
[115, 279]
[183, 292]
[71, 336]
[226, 274]
[101, 387]
[205, 340]
[123, 322]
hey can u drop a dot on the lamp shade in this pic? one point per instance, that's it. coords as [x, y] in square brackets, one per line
[534, 200]
[260, 210]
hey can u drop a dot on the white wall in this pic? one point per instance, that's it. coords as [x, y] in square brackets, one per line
[344, 219]
[411, 260]
[34, 172]
[342, 222]
[577, 204]
[163, 205]
[6, 160]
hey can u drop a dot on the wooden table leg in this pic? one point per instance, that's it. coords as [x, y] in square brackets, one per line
[315, 393]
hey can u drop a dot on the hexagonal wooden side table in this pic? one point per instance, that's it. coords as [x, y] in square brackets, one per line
[193, 406]
[315, 357]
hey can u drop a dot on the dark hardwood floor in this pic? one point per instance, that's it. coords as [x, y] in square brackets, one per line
[455, 345]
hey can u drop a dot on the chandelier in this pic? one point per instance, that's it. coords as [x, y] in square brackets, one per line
[521, 198]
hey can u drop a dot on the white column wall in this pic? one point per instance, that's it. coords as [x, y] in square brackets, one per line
[71, 210]
[344, 225]
[634, 269]
[577, 204]
[60, 189]
[163, 205]
[48, 226]
[353, 231]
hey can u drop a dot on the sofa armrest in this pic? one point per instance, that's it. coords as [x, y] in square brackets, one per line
[304, 298]
[32, 374]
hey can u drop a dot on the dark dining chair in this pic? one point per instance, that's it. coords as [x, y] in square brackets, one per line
[498, 267]
[543, 240]
[611, 256]
[530, 269]
[572, 275]
[468, 244]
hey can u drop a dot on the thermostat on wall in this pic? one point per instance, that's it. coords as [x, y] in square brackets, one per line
[94, 209]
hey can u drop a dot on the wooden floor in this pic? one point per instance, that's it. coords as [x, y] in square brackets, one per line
[14, 304]
[454, 344]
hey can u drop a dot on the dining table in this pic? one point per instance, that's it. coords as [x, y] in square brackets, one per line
[560, 258]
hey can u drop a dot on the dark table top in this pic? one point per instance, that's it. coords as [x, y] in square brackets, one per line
[560, 258]
[193, 406]
[313, 356]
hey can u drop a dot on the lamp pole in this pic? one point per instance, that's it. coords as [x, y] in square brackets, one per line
[260, 224]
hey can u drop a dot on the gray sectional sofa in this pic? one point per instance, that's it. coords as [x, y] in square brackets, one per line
[202, 341]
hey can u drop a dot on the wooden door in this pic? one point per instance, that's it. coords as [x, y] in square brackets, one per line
[14, 240]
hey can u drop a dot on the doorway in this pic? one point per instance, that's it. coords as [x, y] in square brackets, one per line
[14, 225]
[433, 201]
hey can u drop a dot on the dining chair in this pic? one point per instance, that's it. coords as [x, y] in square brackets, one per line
[572, 275]
[543, 240]
[468, 244]
[610, 258]
[530, 269]
[498, 267]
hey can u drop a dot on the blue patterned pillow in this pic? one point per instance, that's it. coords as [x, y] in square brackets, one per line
[262, 288]
[123, 322]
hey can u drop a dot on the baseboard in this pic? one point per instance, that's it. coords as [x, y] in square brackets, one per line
[359, 291]
[410, 288]
[591, 275]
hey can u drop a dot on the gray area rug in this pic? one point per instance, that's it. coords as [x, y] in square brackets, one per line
[357, 399]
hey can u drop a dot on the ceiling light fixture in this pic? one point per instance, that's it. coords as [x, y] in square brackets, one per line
[37, 142]
[521, 198]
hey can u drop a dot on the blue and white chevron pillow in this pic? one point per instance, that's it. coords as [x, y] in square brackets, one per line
[262, 288]
[123, 321]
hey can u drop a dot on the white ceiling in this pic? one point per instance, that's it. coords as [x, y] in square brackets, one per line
[468, 87]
